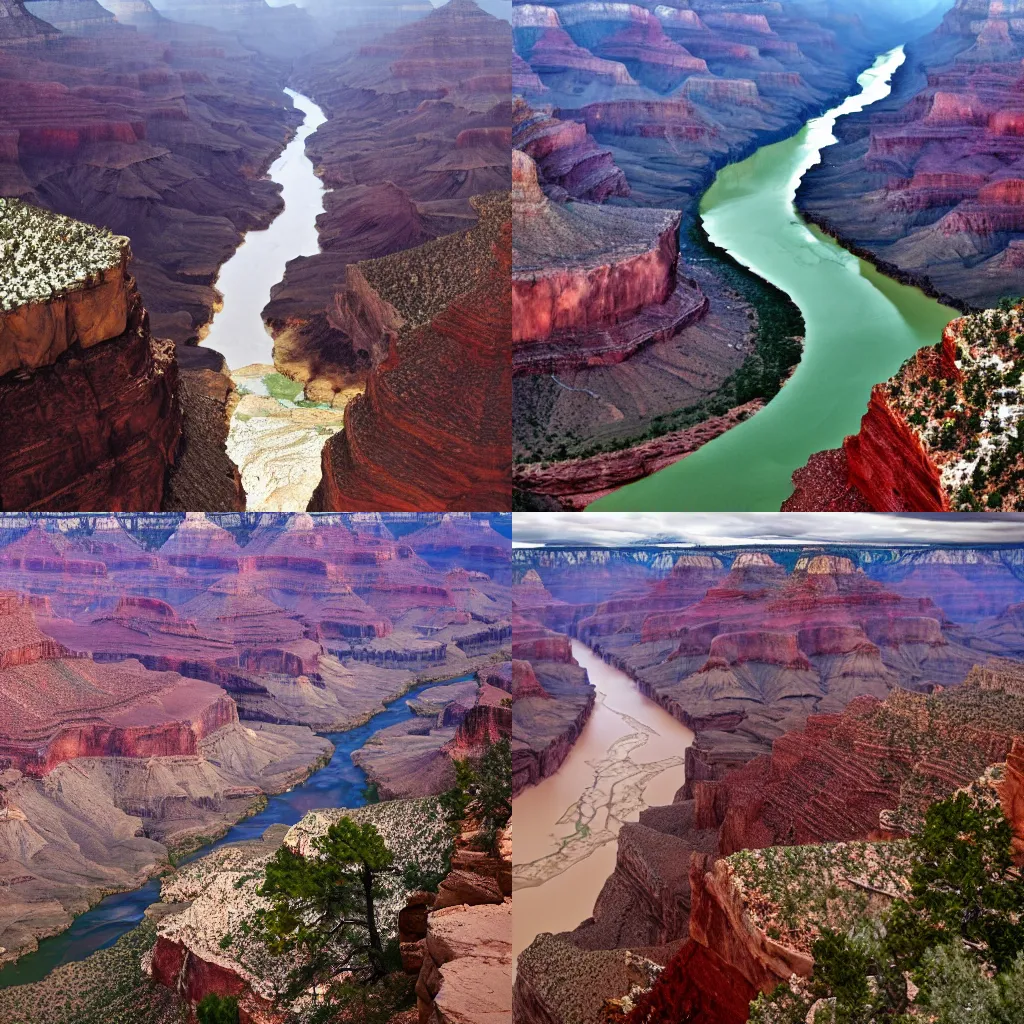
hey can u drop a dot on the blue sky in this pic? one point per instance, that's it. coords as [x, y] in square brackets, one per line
[720, 528]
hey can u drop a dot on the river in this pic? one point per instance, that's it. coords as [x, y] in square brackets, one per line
[861, 327]
[237, 330]
[339, 784]
[276, 436]
[631, 755]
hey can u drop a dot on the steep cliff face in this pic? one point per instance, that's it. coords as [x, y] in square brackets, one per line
[88, 395]
[926, 181]
[722, 60]
[743, 655]
[466, 973]
[592, 285]
[942, 434]
[414, 758]
[400, 449]
[552, 701]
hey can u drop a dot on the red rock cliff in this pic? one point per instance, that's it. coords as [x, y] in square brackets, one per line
[88, 399]
[889, 466]
[412, 442]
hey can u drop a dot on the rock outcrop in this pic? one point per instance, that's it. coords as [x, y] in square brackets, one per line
[569, 161]
[218, 896]
[939, 436]
[414, 758]
[592, 285]
[410, 443]
[73, 122]
[466, 949]
[88, 395]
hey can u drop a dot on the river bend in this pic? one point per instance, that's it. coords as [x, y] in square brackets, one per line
[860, 328]
[339, 784]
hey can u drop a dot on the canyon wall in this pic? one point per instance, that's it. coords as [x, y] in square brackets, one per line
[401, 446]
[90, 401]
[926, 183]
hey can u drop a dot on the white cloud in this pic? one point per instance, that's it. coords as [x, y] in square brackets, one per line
[622, 528]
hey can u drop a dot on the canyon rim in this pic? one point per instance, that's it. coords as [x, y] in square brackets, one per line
[731, 736]
[193, 704]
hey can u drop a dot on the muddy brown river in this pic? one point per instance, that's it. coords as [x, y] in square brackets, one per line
[631, 756]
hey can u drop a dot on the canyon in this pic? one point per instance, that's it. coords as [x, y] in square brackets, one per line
[155, 692]
[405, 440]
[173, 153]
[625, 109]
[833, 696]
[442, 87]
[926, 183]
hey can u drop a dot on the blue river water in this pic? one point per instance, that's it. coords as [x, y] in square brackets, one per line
[340, 783]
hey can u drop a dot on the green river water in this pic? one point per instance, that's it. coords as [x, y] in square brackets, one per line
[860, 327]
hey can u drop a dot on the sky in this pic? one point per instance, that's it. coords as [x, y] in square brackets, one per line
[612, 529]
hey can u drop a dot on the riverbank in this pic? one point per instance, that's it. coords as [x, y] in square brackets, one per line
[630, 755]
[860, 326]
[340, 783]
[275, 434]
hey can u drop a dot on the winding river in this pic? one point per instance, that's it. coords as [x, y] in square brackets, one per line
[631, 755]
[861, 327]
[276, 437]
[237, 330]
[339, 784]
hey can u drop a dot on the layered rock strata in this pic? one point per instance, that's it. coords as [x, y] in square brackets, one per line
[440, 87]
[743, 656]
[569, 161]
[185, 138]
[466, 949]
[18, 26]
[415, 757]
[89, 396]
[309, 623]
[935, 168]
[401, 443]
[592, 285]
